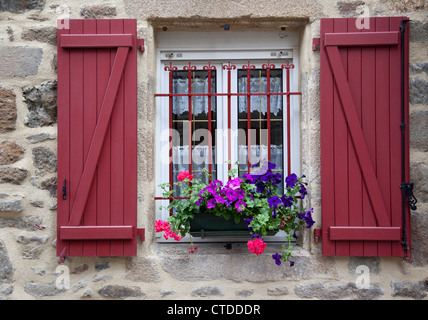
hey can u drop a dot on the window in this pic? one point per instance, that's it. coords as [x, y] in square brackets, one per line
[225, 98]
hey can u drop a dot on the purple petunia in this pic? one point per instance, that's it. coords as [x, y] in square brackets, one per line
[291, 180]
[287, 201]
[277, 257]
[211, 203]
[240, 205]
[307, 217]
[274, 202]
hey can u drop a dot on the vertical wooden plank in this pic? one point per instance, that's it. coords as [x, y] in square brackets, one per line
[382, 126]
[368, 123]
[130, 139]
[395, 133]
[103, 170]
[406, 114]
[90, 121]
[327, 148]
[76, 124]
[63, 142]
[341, 134]
[356, 248]
[117, 154]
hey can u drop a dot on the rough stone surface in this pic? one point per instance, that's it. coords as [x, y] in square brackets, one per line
[278, 291]
[17, 6]
[347, 291]
[42, 104]
[419, 223]
[11, 206]
[48, 184]
[43, 34]
[98, 11]
[42, 290]
[404, 5]
[142, 270]
[349, 8]
[6, 268]
[44, 160]
[419, 178]
[35, 138]
[8, 114]
[37, 203]
[415, 290]
[418, 31]
[373, 263]
[245, 267]
[244, 293]
[418, 91]
[19, 61]
[10, 152]
[23, 223]
[24, 239]
[123, 292]
[32, 253]
[13, 175]
[418, 130]
[207, 291]
[419, 67]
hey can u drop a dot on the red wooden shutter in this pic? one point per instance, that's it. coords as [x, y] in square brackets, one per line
[361, 155]
[97, 138]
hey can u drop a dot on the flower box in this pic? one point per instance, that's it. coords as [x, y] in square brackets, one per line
[206, 225]
[252, 206]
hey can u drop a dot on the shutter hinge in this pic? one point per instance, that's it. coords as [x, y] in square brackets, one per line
[140, 43]
[315, 44]
[317, 234]
[141, 233]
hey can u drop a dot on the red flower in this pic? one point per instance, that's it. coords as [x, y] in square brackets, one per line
[256, 246]
[185, 175]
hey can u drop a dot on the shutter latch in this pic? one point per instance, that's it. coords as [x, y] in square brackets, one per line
[140, 43]
[64, 190]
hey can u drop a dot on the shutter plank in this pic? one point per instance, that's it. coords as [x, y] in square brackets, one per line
[362, 39]
[327, 151]
[76, 125]
[130, 140]
[97, 232]
[369, 130]
[117, 144]
[63, 157]
[96, 40]
[90, 122]
[382, 234]
[341, 174]
[382, 126]
[356, 248]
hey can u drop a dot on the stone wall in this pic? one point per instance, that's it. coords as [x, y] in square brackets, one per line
[29, 267]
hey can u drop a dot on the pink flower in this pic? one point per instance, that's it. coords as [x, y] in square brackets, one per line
[256, 246]
[184, 175]
[166, 228]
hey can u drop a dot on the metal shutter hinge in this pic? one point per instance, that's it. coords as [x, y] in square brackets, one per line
[141, 233]
[317, 234]
[315, 44]
[140, 43]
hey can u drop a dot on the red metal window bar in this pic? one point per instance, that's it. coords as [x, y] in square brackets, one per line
[191, 69]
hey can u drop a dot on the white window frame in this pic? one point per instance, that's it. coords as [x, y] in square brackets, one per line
[218, 48]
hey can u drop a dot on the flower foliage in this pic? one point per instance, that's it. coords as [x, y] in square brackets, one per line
[254, 198]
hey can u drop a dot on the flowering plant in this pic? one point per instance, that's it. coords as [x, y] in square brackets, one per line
[255, 198]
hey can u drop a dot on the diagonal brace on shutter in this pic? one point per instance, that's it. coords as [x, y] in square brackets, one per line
[357, 135]
[98, 137]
